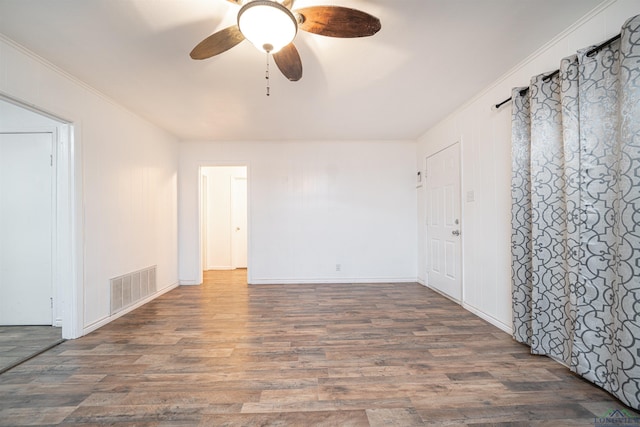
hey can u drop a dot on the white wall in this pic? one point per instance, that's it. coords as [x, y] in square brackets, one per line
[123, 173]
[485, 137]
[219, 216]
[313, 205]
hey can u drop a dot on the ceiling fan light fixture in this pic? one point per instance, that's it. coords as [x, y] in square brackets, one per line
[267, 24]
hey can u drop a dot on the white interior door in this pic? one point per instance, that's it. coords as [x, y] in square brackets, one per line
[443, 222]
[239, 222]
[26, 228]
[204, 222]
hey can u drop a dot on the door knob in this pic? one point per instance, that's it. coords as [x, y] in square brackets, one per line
[456, 232]
[237, 228]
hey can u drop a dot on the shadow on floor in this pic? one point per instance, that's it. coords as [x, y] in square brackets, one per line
[20, 343]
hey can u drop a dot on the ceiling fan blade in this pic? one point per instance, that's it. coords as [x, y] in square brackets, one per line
[217, 43]
[337, 21]
[289, 62]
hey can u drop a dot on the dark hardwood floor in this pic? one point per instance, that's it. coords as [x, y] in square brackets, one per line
[228, 354]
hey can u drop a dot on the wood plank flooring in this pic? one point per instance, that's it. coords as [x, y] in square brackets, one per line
[228, 354]
[20, 343]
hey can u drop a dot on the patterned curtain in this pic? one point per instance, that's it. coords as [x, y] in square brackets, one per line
[576, 215]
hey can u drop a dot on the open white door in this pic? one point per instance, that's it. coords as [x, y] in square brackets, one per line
[443, 222]
[239, 222]
[204, 222]
[26, 182]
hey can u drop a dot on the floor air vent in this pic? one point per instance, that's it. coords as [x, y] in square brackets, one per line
[130, 288]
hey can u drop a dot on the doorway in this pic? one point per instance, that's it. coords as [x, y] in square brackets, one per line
[224, 224]
[43, 232]
[444, 267]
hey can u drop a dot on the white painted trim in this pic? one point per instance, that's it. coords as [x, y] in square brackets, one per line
[68, 269]
[73, 323]
[220, 267]
[190, 283]
[549, 45]
[30, 107]
[32, 55]
[463, 216]
[231, 221]
[439, 292]
[108, 319]
[333, 281]
[522, 64]
[484, 316]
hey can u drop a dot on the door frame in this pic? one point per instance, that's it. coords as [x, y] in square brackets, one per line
[67, 253]
[426, 156]
[199, 219]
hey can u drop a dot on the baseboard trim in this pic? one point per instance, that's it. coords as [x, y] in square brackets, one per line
[439, 292]
[484, 316]
[100, 323]
[189, 283]
[334, 281]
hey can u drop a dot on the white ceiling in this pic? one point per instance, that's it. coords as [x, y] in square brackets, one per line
[429, 57]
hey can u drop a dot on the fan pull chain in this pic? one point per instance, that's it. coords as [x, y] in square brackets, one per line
[267, 74]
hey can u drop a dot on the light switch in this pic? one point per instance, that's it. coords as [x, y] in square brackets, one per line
[471, 197]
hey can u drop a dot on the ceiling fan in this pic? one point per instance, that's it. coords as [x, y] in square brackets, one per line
[271, 25]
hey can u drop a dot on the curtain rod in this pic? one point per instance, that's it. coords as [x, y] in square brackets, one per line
[550, 76]
[603, 44]
[522, 93]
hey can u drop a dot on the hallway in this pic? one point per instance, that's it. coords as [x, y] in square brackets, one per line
[337, 355]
